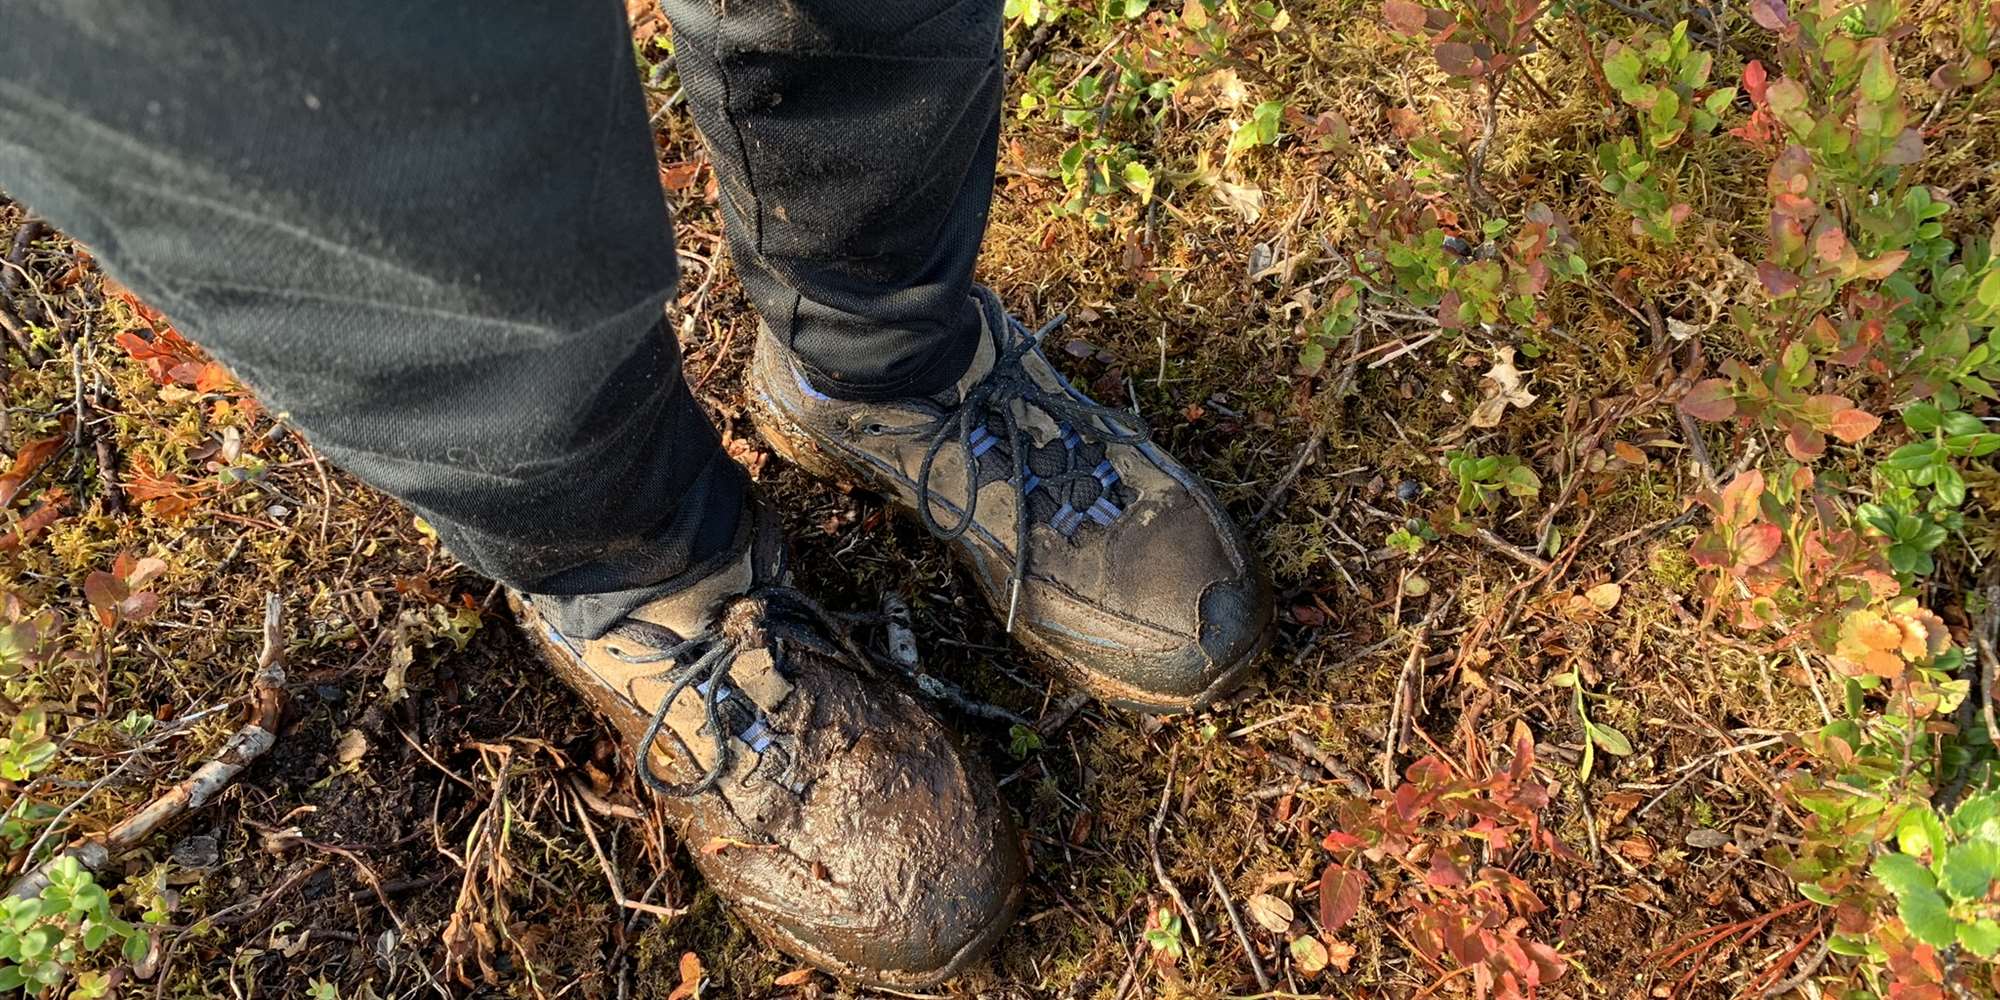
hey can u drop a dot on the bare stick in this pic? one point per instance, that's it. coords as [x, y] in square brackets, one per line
[1236, 922]
[902, 654]
[1347, 776]
[1292, 474]
[1407, 680]
[1160, 870]
[258, 734]
[1511, 551]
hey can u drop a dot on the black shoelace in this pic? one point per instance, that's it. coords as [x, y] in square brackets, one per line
[703, 661]
[992, 400]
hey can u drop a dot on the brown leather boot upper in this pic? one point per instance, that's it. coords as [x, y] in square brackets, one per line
[1106, 556]
[835, 813]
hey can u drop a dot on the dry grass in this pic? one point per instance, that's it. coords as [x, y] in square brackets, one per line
[448, 778]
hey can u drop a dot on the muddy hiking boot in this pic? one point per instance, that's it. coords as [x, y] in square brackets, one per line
[835, 814]
[1108, 559]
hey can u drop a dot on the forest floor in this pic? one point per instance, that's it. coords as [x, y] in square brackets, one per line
[1215, 211]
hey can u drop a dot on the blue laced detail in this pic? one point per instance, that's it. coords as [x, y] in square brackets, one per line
[985, 417]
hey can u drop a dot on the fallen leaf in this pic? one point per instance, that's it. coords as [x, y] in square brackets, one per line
[691, 973]
[796, 977]
[352, 747]
[1308, 955]
[1340, 955]
[1705, 838]
[716, 845]
[1270, 912]
[1503, 389]
[1246, 199]
[1604, 596]
[30, 458]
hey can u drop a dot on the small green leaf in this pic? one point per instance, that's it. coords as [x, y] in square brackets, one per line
[1922, 418]
[1902, 874]
[1878, 74]
[1981, 937]
[1610, 740]
[1969, 869]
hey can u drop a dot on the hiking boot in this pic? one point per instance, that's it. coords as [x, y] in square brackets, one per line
[834, 813]
[1107, 558]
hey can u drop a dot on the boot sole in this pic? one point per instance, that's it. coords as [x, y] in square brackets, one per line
[793, 444]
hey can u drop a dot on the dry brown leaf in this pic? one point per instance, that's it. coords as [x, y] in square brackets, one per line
[796, 977]
[1270, 912]
[1503, 389]
[352, 747]
[1246, 199]
[1340, 955]
[691, 973]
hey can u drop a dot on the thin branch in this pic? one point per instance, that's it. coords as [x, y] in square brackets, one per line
[258, 734]
[1236, 923]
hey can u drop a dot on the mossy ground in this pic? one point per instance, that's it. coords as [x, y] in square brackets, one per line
[450, 786]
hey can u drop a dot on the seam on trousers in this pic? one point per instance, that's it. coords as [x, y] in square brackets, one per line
[606, 114]
[736, 128]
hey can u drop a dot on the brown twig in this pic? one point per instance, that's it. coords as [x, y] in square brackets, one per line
[1511, 551]
[1153, 847]
[1236, 923]
[258, 734]
[1291, 475]
[1356, 785]
[1407, 680]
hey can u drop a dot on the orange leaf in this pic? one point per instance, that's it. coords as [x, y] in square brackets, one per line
[214, 378]
[796, 977]
[691, 972]
[39, 517]
[31, 457]
[1852, 425]
[1757, 544]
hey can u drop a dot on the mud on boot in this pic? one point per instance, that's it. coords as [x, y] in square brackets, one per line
[1108, 559]
[875, 847]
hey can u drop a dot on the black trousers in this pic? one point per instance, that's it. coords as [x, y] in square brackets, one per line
[432, 232]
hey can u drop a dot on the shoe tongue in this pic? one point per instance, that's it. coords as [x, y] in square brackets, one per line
[694, 608]
[982, 361]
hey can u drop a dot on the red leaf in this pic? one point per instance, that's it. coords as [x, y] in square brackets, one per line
[212, 377]
[1338, 841]
[1739, 498]
[1883, 266]
[1777, 281]
[1754, 79]
[1770, 14]
[104, 591]
[1458, 59]
[1339, 897]
[38, 517]
[1853, 425]
[1710, 399]
[1404, 16]
[1757, 543]
[1804, 442]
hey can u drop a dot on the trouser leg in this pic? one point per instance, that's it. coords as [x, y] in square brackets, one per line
[430, 232]
[854, 144]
